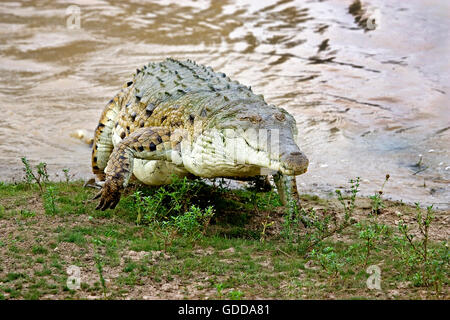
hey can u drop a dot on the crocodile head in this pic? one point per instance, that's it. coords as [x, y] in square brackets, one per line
[245, 140]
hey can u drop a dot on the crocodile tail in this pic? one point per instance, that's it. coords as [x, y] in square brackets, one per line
[102, 145]
[83, 136]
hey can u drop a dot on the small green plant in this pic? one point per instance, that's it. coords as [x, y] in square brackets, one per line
[99, 263]
[429, 266]
[40, 177]
[2, 211]
[37, 249]
[42, 171]
[137, 197]
[50, 201]
[328, 259]
[370, 234]
[165, 231]
[235, 295]
[24, 213]
[377, 201]
[170, 210]
[166, 201]
[219, 288]
[370, 231]
[29, 175]
[66, 174]
[320, 228]
[293, 222]
[349, 207]
[265, 225]
[193, 223]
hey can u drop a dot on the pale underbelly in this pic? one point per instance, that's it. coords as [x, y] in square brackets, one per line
[156, 172]
[159, 172]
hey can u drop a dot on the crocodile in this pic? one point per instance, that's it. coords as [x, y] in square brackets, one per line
[184, 119]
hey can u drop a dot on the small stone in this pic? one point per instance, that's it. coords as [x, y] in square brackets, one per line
[393, 293]
[310, 265]
[229, 250]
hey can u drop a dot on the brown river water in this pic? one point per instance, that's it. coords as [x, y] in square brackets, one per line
[368, 101]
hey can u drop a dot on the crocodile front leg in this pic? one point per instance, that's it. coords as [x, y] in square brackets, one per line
[287, 189]
[151, 143]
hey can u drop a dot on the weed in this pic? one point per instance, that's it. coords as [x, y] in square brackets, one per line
[13, 276]
[29, 175]
[163, 230]
[292, 224]
[40, 177]
[265, 226]
[319, 228]
[166, 201]
[66, 174]
[377, 201]
[193, 223]
[50, 201]
[27, 214]
[235, 295]
[99, 263]
[2, 211]
[37, 249]
[428, 265]
[72, 236]
[328, 259]
[42, 172]
[219, 288]
[370, 233]
[349, 207]
[170, 211]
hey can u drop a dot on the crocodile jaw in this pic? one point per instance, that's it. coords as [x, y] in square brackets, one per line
[225, 153]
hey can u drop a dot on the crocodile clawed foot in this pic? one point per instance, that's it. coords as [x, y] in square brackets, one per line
[109, 196]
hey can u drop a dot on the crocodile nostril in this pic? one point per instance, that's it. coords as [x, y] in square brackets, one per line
[280, 117]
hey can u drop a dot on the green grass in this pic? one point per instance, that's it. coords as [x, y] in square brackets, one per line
[192, 240]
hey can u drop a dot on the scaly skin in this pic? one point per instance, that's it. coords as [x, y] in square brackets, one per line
[183, 118]
[141, 143]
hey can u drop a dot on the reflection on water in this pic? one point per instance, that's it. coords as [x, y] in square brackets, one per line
[367, 102]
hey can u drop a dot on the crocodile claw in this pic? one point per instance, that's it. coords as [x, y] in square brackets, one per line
[109, 196]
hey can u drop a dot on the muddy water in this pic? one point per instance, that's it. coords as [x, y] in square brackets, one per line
[367, 102]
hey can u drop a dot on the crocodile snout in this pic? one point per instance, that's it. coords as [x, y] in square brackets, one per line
[294, 163]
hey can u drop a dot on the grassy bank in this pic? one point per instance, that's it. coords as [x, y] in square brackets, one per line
[193, 240]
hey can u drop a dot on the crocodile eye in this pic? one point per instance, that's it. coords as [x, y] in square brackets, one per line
[280, 117]
[252, 118]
